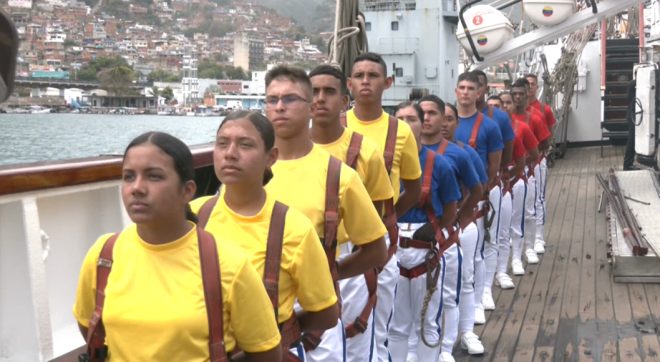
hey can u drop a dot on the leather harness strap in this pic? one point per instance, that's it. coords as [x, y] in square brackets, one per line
[354, 150]
[405, 243]
[420, 269]
[311, 340]
[425, 202]
[371, 277]
[274, 254]
[389, 216]
[211, 281]
[96, 349]
[289, 329]
[205, 211]
[208, 256]
[443, 146]
[361, 323]
[475, 130]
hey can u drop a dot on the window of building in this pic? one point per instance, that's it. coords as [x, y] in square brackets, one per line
[395, 25]
[367, 26]
[398, 72]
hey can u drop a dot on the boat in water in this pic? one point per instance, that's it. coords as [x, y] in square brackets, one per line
[51, 212]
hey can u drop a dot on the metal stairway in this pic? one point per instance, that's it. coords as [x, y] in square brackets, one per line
[622, 55]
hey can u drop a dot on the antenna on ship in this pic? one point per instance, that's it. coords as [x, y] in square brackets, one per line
[350, 38]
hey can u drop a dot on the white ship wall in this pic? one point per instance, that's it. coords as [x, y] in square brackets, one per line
[424, 46]
[44, 237]
[586, 112]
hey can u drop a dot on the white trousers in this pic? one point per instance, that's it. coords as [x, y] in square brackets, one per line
[332, 346]
[491, 247]
[504, 236]
[529, 233]
[541, 170]
[408, 305]
[519, 197]
[451, 289]
[469, 238]
[387, 283]
[354, 296]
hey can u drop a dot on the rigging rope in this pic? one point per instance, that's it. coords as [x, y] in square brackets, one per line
[350, 37]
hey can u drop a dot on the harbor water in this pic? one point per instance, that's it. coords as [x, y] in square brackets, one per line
[28, 138]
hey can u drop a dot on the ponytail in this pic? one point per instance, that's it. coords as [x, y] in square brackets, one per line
[268, 175]
[190, 215]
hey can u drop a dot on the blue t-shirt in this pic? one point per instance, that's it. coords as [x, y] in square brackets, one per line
[459, 159]
[444, 189]
[477, 164]
[489, 137]
[503, 121]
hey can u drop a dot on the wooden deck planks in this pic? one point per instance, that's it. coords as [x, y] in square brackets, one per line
[525, 347]
[567, 307]
[548, 337]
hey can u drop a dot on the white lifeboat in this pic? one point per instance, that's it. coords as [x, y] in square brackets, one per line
[489, 29]
[548, 13]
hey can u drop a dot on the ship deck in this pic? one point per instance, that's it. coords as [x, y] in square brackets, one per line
[568, 308]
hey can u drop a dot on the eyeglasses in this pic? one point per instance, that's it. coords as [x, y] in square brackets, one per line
[286, 100]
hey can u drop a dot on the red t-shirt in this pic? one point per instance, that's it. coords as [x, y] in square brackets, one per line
[518, 148]
[546, 113]
[535, 123]
[526, 136]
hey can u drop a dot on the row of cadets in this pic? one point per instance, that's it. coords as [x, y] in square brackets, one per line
[545, 111]
[163, 288]
[427, 244]
[367, 82]
[327, 191]
[282, 243]
[519, 94]
[519, 185]
[496, 252]
[468, 298]
[330, 98]
[483, 134]
[458, 294]
[502, 278]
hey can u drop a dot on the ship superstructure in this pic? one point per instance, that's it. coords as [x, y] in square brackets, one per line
[418, 42]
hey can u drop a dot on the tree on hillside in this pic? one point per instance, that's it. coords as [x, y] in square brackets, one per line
[167, 93]
[161, 75]
[90, 70]
[117, 80]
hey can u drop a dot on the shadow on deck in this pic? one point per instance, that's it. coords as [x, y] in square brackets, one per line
[567, 308]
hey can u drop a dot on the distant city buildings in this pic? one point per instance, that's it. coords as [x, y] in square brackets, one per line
[248, 52]
[60, 38]
[24, 4]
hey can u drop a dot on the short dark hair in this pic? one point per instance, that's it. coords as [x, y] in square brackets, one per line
[481, 73]
[327, 69]
[494, 97]
[372, 57]
[416, 106]
[468, 76]
[177, 150]
[520, 83]
[435, 99]
[531, 75]
[453, 108]
[263, 126]
[293, 74]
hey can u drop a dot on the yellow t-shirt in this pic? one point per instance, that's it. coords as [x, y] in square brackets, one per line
[154, 306]
[370, 164]
[300, 183]
[406, 159]
[302, 253]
